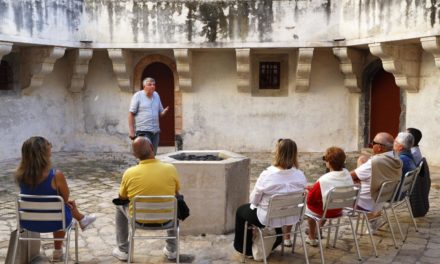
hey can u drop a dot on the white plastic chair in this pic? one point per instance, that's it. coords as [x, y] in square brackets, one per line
[43, 208]
[387, 193]
[154, 208]
[407, 188]
[338, 198]
[282, 206]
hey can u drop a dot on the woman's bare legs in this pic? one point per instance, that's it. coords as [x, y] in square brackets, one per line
[75, 212]
[58, 234]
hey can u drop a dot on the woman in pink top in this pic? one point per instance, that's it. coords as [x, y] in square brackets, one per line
[282, 177]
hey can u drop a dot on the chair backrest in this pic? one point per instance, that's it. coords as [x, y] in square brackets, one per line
[341, 197]
[285, 206]
[408, 182]
[387, 192]
[154, 208]
[418, 171]
[41, 208]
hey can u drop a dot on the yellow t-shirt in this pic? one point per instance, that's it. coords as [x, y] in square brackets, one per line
[149, 177]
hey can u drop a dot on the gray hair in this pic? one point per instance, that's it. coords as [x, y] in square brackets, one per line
[405, 139]
[148, 80]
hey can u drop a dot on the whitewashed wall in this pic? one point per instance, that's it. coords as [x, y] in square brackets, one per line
[217, 116]
[48, 113]
[423, 109]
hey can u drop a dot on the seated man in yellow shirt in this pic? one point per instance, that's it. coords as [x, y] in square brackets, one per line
[149, 177]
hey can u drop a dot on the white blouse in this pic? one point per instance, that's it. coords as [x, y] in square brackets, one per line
[275, 181]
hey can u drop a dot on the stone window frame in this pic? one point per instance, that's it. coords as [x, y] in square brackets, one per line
[13, 59]
[269, 56]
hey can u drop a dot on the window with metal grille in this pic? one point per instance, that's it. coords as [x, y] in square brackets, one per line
[269, 75]
[6, 78]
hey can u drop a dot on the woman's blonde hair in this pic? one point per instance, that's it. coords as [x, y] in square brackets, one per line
[286, 154]
[35, 159]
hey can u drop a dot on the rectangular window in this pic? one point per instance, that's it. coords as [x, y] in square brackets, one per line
[269, 75]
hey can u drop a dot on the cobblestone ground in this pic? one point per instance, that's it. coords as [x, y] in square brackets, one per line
[94, 179]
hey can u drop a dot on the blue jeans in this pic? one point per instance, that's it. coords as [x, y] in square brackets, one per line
[153, 137]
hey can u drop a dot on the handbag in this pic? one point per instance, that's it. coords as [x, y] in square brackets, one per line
[23, 256]
[257, 247]
[182, 208]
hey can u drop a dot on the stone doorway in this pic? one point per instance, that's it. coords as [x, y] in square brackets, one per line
[385, 104]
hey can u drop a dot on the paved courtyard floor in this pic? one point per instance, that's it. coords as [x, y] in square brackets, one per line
[94, 180]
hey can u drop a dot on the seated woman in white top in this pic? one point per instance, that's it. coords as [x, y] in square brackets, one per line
[282, 177]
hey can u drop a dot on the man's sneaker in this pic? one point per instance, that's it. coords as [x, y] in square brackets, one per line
[117, 253]
[168, 254]
[87, 221]
[312, 242]
[287, 243]
[57, 255]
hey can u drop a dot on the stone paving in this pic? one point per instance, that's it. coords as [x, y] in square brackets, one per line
[94, 179]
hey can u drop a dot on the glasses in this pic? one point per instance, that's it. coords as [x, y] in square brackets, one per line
[372, 143]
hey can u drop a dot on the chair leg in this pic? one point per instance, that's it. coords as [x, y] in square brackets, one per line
[408, 205]
[391, 229]
[14, 254]
[370, 235]
[260, 232]
[130, 246]
[66, 257]
[303, 242]
[398, 223]
[298, 225]
[177, 244]
[321, 250]
[355, 239]
[244, 242]
[336, 232]
[76, 242]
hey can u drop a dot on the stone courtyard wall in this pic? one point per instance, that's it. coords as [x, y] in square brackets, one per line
[211, 23]
[216, 115]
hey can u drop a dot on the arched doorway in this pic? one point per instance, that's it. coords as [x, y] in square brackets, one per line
[385, 107]
[165, 87]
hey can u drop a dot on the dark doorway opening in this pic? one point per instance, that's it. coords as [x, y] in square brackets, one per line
[384, 104]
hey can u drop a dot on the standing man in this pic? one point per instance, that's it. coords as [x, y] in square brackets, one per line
[149, 177]
[145, 110]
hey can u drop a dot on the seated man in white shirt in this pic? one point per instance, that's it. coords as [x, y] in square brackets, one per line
[382, 166]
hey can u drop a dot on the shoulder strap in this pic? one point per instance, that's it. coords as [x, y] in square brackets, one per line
[55, 179]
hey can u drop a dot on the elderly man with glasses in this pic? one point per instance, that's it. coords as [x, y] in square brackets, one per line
[382, 166]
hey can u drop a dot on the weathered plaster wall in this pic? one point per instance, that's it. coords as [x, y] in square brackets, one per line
[423, 109]
[102, 123]
[56, 21]
[48, 112]
[216, 116]
[378, 20]
[189, 23]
